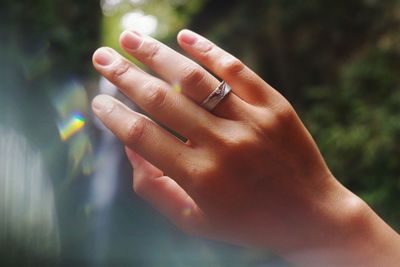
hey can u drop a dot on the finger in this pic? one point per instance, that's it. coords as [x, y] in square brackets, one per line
[193, 80]
[164, 193]
[140, 133]
[153, 95]
[137, 161]
[245, 83]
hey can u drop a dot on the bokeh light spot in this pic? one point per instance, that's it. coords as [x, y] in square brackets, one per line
[138, 21]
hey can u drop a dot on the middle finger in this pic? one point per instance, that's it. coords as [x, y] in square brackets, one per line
[194, 81]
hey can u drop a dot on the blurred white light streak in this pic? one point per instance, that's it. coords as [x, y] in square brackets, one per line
[27, 209]
[108, 158]
[104, 180]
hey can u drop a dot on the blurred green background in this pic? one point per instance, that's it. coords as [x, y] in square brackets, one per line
[338, 62]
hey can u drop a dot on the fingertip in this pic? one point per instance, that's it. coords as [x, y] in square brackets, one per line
[102, 104]
[130, 40]
[103, 56]
[187, 37]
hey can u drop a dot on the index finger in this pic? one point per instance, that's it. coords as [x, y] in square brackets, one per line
[154, 96]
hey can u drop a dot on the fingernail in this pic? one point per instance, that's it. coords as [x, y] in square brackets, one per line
[188, 37]
[102, 104]
[103, 57]
[131, 39]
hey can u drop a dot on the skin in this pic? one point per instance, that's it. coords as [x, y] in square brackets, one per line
[248, 172]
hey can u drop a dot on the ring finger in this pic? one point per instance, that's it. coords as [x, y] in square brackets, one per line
[193, 80]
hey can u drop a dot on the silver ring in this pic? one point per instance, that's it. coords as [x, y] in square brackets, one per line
[216, 96]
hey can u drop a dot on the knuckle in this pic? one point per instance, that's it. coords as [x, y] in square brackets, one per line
[235, 137]
[234, 140]
[275, 119]
[267, 123]
[136, 130]
[193, 171]
[119, 71]
[208, 172]
[199, 173]
[153, 52]
[243, 142]
[155, 96]
[206, 51]
[207, 48]
[192, 76]
[232, 65]
[284, 113]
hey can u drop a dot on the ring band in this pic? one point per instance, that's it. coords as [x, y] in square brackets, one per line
[216, 96]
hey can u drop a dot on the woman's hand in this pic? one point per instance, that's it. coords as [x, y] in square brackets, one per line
[249, 172]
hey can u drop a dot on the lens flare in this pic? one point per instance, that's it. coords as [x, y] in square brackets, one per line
[71, 104]
[73, 125]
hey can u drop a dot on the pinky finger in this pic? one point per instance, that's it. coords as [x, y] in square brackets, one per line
[140, 133]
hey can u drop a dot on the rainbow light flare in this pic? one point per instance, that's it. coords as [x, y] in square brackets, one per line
[72, 126]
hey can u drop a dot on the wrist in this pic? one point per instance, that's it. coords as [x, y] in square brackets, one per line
[370, 241]
[354, 236]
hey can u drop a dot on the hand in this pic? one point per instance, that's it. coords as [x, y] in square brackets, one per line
[249, 172]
